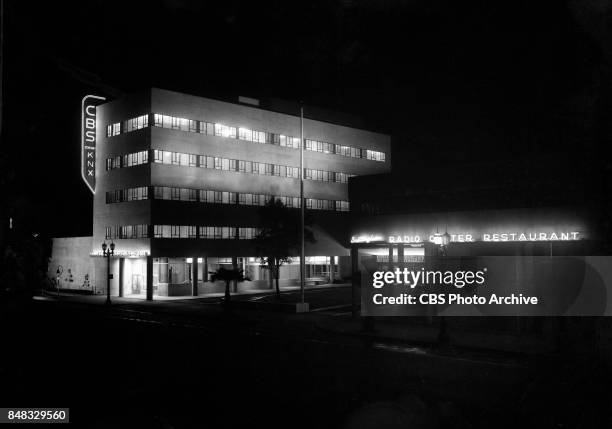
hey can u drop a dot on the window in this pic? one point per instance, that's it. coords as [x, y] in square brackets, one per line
[245, 134]
[193, 160]
[227, 232]
[193, 126]
[225, 131]
[176, 158]
[175, 231]
[136, 123]
[175, 193]
[192, 232]
[113, 129]
[193, 195]
[108, 233]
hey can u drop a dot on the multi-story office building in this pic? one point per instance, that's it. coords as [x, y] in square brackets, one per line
[180, 179]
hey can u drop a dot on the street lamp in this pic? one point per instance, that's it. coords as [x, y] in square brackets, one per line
[107, 252]
[442, 241]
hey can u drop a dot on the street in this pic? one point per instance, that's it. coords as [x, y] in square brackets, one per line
[151, 366]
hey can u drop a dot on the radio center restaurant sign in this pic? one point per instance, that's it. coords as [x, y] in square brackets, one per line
[88, 139]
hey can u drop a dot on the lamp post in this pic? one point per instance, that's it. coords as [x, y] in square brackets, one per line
[442, 240]
[107, 252]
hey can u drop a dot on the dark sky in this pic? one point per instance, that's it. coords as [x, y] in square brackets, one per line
[449, 80]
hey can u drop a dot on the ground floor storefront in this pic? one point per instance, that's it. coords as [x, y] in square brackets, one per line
[141, 276]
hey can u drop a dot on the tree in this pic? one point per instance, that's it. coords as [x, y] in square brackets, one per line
[228, 276]
[279, 237]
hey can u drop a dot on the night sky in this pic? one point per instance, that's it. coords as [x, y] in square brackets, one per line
[451, 81]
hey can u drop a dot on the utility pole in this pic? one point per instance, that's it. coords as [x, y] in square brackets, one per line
[302, 208]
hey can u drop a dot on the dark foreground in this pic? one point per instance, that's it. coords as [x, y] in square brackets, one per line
[128, 368]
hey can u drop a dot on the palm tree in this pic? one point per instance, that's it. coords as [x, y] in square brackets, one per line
[228, 276]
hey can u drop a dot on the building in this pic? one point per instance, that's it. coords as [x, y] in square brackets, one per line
[179, 179]
[452, 216]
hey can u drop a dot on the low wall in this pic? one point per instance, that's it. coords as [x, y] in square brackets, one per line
[71, 256]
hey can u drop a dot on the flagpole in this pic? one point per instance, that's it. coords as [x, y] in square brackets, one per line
[302, 208]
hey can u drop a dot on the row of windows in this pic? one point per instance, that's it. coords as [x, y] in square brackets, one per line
[218, 197]
[353, 152]
[127, 231]
[128, 194]
[181, 231]
[220, 130]
[133, 124]
[218, 163]
[262, 168]
[127, 160]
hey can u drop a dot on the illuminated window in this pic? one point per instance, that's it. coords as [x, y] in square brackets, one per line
[225, 131]
[245, 134]
[113, 129]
